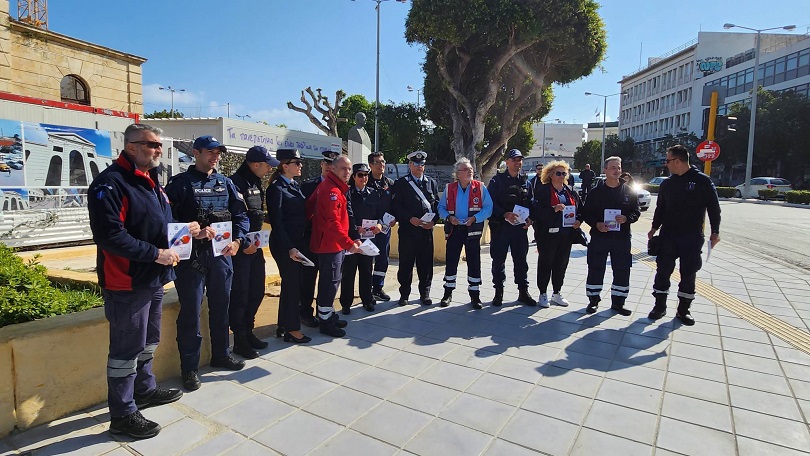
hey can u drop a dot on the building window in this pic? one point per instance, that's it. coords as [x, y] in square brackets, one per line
[78, 177]
[54, 177]
[74, 90]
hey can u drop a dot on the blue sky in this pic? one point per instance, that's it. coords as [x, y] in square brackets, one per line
[256, 55]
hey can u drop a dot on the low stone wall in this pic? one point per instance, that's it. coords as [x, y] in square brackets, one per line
[439, 243]
[52, 367]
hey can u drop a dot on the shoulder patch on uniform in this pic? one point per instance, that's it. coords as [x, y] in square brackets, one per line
[333, 197]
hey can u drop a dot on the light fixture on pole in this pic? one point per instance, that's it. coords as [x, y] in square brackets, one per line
[377, 98]
[246, 116]
[418, 93]
[604, 121]
[544, 138]
[172, 90]
[749, 162]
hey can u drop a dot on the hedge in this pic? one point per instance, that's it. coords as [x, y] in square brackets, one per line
[726, 192]
[798, 196]
[26, 294]
[652, 188]
[768, 193]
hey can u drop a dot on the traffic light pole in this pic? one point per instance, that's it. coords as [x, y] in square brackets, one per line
[707, 165]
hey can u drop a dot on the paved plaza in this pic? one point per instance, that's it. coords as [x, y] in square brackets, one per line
[511, 381]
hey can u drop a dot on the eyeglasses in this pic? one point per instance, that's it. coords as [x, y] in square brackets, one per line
[464, 170]
[418, 164]
[379, 162]
[149, 144]
[670, 159]
[362, 175]
[295, 162]
[560, 173]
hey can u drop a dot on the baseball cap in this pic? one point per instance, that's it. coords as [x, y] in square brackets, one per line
[258, 154]
[208, 142]
[514, 153]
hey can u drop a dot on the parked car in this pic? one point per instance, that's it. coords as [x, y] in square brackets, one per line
[15, 165]
[577, 182]
[5, 168]
[764, 183]
[644, 197]
[657, 180]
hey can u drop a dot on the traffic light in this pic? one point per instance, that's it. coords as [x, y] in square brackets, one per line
[726, 123]
[731, 123]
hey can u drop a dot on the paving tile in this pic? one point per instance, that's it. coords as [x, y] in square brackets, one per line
[165, 415]
[697, 411]
[754, 363]
[450, 375]
[444, 437]
[634, 396]
[351, 442]
[756, 380]
[250, 448]
[780, 431]
[176, 438]
[499, 388]
[217, 445]
[793, 356]
[699, 388]
[516, 368]
[702, 440]
[799, 371]
[377, 382]
[392, 423]
[652, 359]
[301, 358]
[523, 428]
[299, 389]
[590, 442]
[478, 413]
[503, 448]
[557, 404]
[534, 353]
[423, 396]
[342, 405]
[52, 432]
[571, 381]
[755, 335]
[615, 419]
[216, 396]
[709, 355]
[406, 363]
[336, 369]
[429, 347]
[641, 342]
[253, 414]
[759, 448]
[762, 402]
[748, 347]
[92, 441]
[333, 345]
[297, 434]
[261, 375]
[586, 363]
[801, 389]
[470, 357]
[372, 355]
[695, 368]
[637, 375]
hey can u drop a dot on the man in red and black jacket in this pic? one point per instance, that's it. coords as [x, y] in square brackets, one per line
[330, 239]
[129, 213]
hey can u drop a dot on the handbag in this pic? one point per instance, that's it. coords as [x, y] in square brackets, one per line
[654, 246]
[579, 237]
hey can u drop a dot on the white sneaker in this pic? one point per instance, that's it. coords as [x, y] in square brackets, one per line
[543, 302]
[558, 300]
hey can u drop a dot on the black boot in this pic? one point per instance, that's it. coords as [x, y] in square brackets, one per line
[330, 328]
[617, 305]
[660, 308]
[498, 299]
[379, 295]
[475, 300]
[593, 304]
[448, 295]
[241, 346]
[254, 341]
[683, 312]
[525, 298]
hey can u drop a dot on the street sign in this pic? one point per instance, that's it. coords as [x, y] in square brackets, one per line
[708, 151]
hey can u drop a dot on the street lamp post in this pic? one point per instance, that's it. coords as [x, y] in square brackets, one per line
[377, 99]
[544, 139]
[242, 117]
[418, 116]
[604, 121]
[172, 90]
[749, 161]
[418, 93]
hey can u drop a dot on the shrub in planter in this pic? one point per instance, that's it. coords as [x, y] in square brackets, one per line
[26, 293]
[726, 192]
[652, 188]
[798, 196]
[768, 193]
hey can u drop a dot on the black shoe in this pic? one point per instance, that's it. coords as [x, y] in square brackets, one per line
[621, 310]
[341, 323]
[346, 311]
[402, 302]
[685, 317]
[331, 330]
[525, 299]
[158, 396]
[227, 362]
[379, 295]
[498, 299]
[279, 331]
[255, 342]
[296, 340]
[134, 425]
[191, 381]
[426, 301]
[369, 306]
[475, 300]
[448, 296]
[310, 321]
[591, 308]
[245, 350]
[657, 313]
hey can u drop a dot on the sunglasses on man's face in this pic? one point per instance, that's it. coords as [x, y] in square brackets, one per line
[149, 144]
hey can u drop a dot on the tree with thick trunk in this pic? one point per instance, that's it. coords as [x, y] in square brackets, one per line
[321, 112]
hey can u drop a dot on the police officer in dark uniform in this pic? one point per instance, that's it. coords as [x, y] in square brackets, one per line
[203, 195]
[247, 288]
[367, 204]
[507, 190]
[377, 180]
[310, 276]
[684, 199]
[613, 194]
[415, 195]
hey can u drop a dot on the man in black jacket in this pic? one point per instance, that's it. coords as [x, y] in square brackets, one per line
[587, 176]
[680, 212]
[610, 236]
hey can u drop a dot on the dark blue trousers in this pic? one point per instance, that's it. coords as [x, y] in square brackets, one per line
[360, 266]
[415, 247]
[552, 260]
[618, 247]
[247, 290]
[330, 266]
[687, 247]
[472, 246]
[289, 315]
[506, 237]
[215, 280]
[134, 318]
[308, 280]
[383, 242]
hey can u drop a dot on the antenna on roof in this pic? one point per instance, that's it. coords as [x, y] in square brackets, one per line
[33, 12]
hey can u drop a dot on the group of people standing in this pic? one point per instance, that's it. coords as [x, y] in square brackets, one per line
[318, 231]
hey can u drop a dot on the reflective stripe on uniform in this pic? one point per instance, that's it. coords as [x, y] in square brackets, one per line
[117, 368]
[681, 294]
[617, 290]
[660, 291]
[148, 352]
[593, 290]
[378, 273]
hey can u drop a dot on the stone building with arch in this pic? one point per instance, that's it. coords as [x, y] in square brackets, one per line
[47, 65]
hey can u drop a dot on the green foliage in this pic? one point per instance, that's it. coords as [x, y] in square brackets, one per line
[768, 193]
[652, 188]
[589, 153]
[726, 192]
[26, 293]
[797, 196]
[164, 115]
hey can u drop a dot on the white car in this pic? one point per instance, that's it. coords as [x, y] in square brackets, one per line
[644, 197]
[764, 183]
[657, 180]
